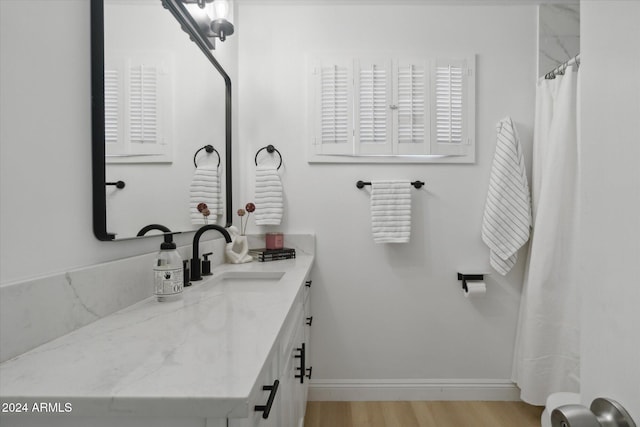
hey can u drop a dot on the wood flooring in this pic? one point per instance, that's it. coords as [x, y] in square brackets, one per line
[422, 414]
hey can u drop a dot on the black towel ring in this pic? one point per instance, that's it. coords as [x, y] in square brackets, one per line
[270, 149]
[208, 149]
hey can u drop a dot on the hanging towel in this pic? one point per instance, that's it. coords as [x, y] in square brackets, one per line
[507, 212]
[391, 211]
[205, 188]
[268, 199]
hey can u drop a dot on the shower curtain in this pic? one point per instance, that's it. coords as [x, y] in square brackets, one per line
[546, 357]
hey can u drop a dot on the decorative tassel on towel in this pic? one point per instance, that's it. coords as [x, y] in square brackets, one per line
[391, 211]
[507, 212]
[268, 200]
[205, 188]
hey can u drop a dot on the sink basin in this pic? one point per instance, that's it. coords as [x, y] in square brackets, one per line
[248, 280]
[252, 275]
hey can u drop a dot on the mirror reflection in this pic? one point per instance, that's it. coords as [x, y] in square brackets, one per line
[163, 103]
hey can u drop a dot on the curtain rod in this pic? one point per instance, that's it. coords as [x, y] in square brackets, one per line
[560, 69]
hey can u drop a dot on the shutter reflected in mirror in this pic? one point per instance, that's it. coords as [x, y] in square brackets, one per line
[111, 107]
[143, 104]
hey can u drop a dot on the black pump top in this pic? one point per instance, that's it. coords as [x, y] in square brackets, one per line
[168, 242]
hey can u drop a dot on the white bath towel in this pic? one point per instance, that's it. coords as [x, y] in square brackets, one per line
[205, 188]
[269, 196]
[507, 212]
[391, 211]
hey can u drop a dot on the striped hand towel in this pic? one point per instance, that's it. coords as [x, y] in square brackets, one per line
[507, 212]
[205, 188]
[391, 211]
[268, 198]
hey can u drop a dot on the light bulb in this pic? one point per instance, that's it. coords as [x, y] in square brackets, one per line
[222, 9]
[211, 13]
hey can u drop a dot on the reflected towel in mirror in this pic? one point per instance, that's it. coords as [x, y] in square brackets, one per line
[205, 188]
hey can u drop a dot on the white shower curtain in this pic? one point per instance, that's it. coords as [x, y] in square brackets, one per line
[546, 358]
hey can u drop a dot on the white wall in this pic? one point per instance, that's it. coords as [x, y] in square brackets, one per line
[386, 312]
[45, 142]
[610, 223]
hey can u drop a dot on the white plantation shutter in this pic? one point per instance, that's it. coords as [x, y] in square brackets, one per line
[412, 120]
[373, 133]
[449, 104]
[452, 99]
[333, 108]
[112, 120]
[138, 106]
[419, 110]
[143, 104]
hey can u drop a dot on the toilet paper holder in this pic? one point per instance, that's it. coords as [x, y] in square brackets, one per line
[469, 277]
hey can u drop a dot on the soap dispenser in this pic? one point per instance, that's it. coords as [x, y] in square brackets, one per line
[206, 265]
[168, 271]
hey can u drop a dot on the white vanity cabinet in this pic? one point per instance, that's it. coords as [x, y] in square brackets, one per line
[242, 333]
[308, 322]
[293, 370]
[287, 364]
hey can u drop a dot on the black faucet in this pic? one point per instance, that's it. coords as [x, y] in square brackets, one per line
[195, 260]
[145, 230]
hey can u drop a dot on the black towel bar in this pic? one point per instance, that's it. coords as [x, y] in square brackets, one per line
[361, 184]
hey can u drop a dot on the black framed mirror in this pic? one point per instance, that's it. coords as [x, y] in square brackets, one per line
[143, 157]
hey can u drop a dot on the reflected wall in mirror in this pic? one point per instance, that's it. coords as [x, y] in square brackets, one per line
[163, 101]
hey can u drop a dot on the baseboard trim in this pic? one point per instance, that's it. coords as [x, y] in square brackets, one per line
[394, 390]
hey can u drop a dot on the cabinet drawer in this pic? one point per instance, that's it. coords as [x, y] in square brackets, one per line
[289, 330]
[264, 399]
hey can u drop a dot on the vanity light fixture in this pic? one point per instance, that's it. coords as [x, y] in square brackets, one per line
[211, 16]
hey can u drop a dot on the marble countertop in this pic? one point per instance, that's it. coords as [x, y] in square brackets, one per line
[196, 357]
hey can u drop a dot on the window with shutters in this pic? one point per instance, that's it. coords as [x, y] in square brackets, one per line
[138, 112]
[390, 109]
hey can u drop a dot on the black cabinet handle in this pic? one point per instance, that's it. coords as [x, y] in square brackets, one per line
[309, 320]
[266, 409]
[309, 370]
[308, 283]
[302, 356]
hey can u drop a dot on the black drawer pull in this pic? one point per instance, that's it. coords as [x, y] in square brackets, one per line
[302, 356]
[266, 409]
[308, 283]
[309, 320]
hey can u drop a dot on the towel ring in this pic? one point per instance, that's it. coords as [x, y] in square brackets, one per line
[270, 149]
[208, 149]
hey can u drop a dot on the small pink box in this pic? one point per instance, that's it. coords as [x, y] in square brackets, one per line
[274, 240]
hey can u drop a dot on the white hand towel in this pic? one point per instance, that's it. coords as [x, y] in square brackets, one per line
[205, 188]
[391, 211]
[507, 212]
[268, 198]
